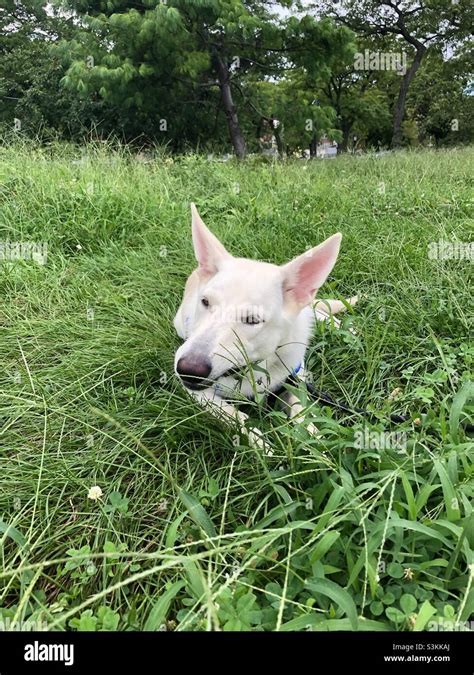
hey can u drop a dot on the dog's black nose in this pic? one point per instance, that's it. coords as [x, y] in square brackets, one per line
[193, 371]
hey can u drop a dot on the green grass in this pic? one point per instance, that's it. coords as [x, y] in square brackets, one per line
[194, 530]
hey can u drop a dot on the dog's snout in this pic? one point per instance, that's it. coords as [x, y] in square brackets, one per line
[193, 371]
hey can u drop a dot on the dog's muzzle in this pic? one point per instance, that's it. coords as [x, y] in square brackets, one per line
[193, 372]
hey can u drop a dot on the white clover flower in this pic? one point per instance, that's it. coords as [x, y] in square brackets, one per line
[408, 573]
[395, 393]
[95, 493]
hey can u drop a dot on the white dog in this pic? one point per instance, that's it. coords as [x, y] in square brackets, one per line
[246, 324]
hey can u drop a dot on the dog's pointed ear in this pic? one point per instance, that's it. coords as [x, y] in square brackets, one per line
[304, 275]
[208, 249]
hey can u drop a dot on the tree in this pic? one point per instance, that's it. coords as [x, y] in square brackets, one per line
[33, 101]
[361, 99]
[24, 28]
[302, 118]
[155, 55]
[420, 25]
[440, 100]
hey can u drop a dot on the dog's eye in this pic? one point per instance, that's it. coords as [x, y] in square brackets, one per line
[251, 320]
[205, 302]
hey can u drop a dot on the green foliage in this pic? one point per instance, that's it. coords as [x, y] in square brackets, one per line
[418, 31]
[105, 620]
[31, 69]
[155, 74]
[440, 101]
[172, 63]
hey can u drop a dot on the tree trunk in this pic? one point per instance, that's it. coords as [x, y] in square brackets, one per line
[402, 96]
[346, 131]
[236, 136]
[313, 147]
[278, 137]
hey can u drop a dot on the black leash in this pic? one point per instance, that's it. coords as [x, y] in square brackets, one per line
[324, 397]
[340, 405]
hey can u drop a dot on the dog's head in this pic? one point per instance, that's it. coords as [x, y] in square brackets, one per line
[238, 311]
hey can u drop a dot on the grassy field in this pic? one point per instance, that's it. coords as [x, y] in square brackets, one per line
[194, 531]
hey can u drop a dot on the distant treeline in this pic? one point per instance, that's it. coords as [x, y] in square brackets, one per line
[239, 75]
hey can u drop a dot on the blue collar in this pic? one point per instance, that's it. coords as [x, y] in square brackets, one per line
[296, 370]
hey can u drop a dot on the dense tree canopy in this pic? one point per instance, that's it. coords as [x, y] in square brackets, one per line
[227, 75]
[418, 27]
